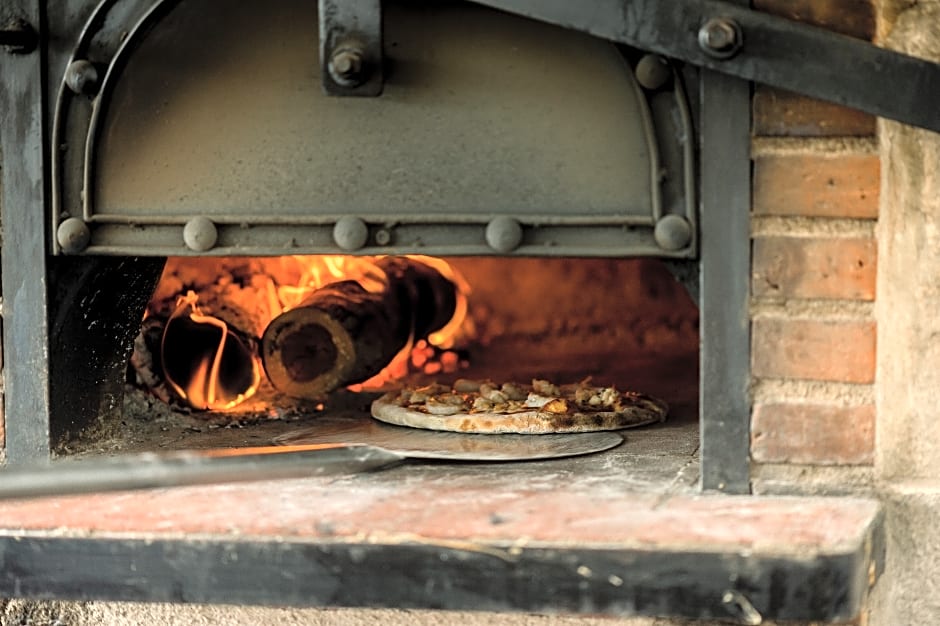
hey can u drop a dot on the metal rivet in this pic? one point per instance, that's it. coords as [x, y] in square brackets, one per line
[82, 77]
[503, 234]
[73, 235]
[350, 233]
[652, 72]
[200, 234]
[720, 37]
[672, 232]
[383, 236]
[347, 65]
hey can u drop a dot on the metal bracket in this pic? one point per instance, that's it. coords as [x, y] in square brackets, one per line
[351, 47]
[756, 46]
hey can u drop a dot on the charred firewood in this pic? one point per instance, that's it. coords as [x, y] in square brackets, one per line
[198, 345]
[343, 334]
[194, 359]
[146, 367]
[208, 362]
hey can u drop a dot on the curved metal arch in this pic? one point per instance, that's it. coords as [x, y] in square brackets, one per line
[105, 42]
[106, 37]
[136, 33]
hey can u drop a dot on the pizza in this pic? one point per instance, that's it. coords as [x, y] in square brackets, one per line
[485, 407]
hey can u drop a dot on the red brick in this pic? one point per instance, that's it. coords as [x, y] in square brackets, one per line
[855, 18]
[813, 433]
[780, 113]
[841, 350]
[797, 267]
[820, 186]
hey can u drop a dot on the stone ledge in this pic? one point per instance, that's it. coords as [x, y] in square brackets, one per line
[356, 542]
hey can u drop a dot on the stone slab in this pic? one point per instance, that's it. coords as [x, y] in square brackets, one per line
[433, 536]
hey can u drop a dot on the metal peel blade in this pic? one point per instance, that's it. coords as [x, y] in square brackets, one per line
[197, 467]
[449, 446]
[331, 454]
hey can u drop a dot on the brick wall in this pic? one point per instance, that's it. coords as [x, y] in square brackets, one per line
[816, 177]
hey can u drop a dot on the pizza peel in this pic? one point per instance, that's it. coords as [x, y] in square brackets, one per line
[416, 443]
[344, 447]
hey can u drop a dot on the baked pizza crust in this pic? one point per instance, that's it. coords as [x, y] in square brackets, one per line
[638, 410]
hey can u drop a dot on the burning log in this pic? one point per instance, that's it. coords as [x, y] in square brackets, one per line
[201, 360]
[146, 359]
[208, 362]
[198, 344]
[343, 334]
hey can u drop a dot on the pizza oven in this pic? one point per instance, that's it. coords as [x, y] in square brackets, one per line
[561, 193]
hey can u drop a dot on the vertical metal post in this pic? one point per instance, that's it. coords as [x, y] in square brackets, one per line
[351, 47]
[724, 402]
[23, 253]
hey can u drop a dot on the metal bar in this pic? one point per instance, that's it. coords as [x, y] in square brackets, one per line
[202, 467]
[23, 254]
[725, 199]
[773, 50]
[351, 47]
[409, 571]
[313, 217]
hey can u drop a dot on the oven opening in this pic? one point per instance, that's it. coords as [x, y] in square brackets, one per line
[541, 173]
[249, 351]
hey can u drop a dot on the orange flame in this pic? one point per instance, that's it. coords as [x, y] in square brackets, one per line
[278, 284]
[444, 338]
[298, 276]
[203, 387]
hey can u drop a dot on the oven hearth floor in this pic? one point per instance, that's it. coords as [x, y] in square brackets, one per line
[652, 458]
[621, 532]
[661, 458]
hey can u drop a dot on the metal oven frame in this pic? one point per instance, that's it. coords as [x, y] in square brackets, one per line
[730, 42]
